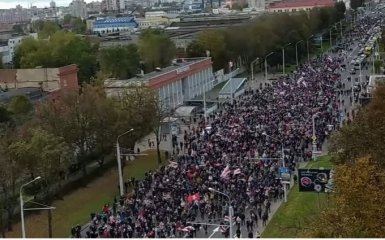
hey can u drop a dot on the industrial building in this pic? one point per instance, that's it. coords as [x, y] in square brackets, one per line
[176, 84]
[119, 24]
[299, 5]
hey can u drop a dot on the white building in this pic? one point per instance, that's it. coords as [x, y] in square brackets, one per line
[78, 8]
[259, 5]
[8, 51]
[114, 5]
[4, 52]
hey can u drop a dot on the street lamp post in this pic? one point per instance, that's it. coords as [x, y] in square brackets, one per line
[120, 172]
[231, 210]
[296, 51]
[283, 161]
[283, 57]
[22, 205]
[252, 68]
[330, 36]
[307, 46]
[360, 75]
[204, 100]
[266, 65]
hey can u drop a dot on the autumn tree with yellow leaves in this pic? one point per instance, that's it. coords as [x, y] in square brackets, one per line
[357, 207]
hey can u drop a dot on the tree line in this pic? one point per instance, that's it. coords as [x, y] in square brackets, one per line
[264, 35]
[56, 137]
[55, 48]
[356, 207]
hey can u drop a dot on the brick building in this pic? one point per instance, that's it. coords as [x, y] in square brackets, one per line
[38, 83]
[299, 5]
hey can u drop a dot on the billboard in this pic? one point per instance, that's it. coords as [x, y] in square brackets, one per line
[313, 180]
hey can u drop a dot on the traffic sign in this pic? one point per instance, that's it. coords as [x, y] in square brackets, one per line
[314, 138]
[283, 170]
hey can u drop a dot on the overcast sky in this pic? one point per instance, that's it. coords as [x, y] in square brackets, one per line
[5, 4]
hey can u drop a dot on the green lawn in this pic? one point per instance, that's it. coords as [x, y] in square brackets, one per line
[300, 211]
[75, 208]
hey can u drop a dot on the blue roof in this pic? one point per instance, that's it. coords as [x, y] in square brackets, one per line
[115, 20]
[122, 22]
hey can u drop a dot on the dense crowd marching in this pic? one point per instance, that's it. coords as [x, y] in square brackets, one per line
[239, 154]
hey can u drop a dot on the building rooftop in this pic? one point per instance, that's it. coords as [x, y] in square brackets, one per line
[179, 66]
[302, 3]
[115, 20]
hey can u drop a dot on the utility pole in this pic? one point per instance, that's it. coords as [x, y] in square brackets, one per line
[49, 223]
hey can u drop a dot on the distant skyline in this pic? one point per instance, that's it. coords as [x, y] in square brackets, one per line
[7, 4]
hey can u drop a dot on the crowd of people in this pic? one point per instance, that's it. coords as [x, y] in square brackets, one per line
[237, 151]
[239, 154]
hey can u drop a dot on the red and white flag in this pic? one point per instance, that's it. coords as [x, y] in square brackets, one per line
[226, 172]
[186, 229]
[192, 198]
[173, 164]
[226, 218]
[237, 171]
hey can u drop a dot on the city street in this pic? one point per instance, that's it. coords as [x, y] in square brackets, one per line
[353, 49]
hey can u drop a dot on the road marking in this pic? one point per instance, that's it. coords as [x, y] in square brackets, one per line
[352, 52]
[214, 232]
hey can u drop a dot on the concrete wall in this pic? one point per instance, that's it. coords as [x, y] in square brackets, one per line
[52, 80]
[33, 77]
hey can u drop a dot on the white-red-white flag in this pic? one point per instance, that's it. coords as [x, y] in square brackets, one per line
[237, 171]
[226, 172]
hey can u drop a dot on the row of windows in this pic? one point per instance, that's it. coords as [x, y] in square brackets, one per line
[292, 10]
[108, 25]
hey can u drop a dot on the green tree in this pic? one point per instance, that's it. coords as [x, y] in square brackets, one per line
[156, 48]
[143, 104]
[341, 9]
[61, 49]
[195, 49]
[67, 19]
[42, 154]
[120, 62]
[87, 122]
[47, 29]
[214, 42]
[377, 65]
[18, 28]
[5, 115]
[78, 26]
[357, 204]
[11, 173]
[77, 117]
[20, 105]
[364, 136]
[354, 4]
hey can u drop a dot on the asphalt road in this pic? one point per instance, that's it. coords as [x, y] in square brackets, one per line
[213, 231]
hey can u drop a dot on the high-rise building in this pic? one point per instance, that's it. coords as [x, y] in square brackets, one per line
[52, 4]
[94, 7]
[259, 5]
[78, 8]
